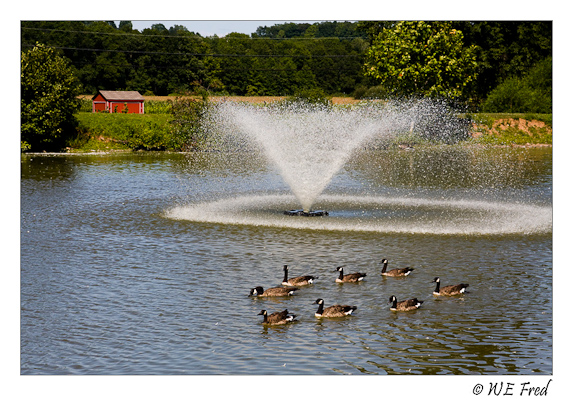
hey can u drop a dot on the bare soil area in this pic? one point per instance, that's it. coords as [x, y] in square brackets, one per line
[530, 127]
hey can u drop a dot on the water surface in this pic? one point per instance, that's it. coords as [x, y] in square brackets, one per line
[121, 274]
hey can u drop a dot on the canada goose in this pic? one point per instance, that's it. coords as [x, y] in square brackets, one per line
[272, 292]
[405, 305]
[277, 318]
[356, 277]
[332, 311]
[299, 280]
[450, 290]
[395, 272]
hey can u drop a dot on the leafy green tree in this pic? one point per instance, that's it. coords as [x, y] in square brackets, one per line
[49, 90]
[159, 27]
[421, 58]
[125, 26]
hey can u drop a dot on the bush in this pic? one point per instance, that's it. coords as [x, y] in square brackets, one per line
[85, 105]
[186, 123]
[377, 92]
[358, 93]
[531, 93]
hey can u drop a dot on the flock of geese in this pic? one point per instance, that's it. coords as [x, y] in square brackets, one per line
[289, 286]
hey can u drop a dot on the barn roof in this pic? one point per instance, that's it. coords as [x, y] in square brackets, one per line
[120, 95]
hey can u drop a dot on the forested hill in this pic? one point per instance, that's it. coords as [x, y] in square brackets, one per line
[162, 61]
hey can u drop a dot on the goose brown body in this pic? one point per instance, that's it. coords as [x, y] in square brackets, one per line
[395, 272]
[450, 290]
[277, 318]
[273, 292]
[405, 305]
[299, 280]
[355, 277]
[334, 311]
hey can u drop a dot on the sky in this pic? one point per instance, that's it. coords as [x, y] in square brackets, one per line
[210, 28]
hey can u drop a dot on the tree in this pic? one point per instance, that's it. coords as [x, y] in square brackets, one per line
[421, 58]
[49, 90]
[159, 27]
[505, 49]
[125, 26]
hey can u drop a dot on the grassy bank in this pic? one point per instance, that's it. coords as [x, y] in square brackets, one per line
[102, 132]
[155, 131]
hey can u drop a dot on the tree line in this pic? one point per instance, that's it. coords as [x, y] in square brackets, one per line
[279, 60]
[163, 61]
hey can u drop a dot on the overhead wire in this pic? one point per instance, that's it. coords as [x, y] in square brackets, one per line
[136, 66]
[193, 35]
[203, 54]
[187, 54]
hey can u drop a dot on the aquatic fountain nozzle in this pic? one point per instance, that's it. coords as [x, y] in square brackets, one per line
[304, 213]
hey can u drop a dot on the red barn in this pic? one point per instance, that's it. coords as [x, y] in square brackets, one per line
[118, 101]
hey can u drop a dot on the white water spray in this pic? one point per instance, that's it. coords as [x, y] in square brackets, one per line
[378, 214]
[309, 144]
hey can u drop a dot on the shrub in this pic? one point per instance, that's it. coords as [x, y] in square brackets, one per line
[376, 92]
[531, 93]
[358, 93]
[186, 123]
[85, 105]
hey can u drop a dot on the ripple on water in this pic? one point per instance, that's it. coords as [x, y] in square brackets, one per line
[110, 286]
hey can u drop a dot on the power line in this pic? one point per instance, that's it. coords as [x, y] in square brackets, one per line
[136, 66]
[195, 36]
[203, 55]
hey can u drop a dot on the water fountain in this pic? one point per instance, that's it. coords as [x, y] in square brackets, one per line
[309, 144]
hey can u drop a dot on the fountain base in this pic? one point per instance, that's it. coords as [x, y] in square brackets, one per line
[311, 213]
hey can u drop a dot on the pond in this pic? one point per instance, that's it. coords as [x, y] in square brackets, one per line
[141, 263]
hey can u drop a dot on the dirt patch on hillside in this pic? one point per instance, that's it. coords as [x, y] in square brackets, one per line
[530, 127]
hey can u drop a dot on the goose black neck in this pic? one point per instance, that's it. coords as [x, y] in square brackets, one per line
[394, 303]
[385, 265]
[341, 275]
[265, 318]
[320, 308]
[437, 290]
[286, 275]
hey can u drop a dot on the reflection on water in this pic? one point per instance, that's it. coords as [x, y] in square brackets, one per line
[111, 285]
